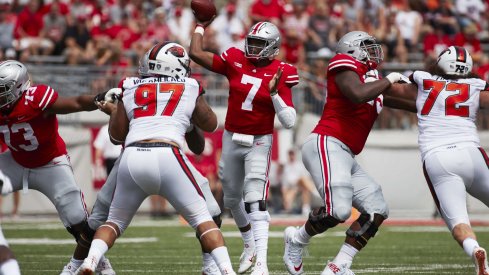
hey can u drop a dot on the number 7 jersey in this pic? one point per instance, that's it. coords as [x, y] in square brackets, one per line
[250, 108]
[447, 110]
[159, 107]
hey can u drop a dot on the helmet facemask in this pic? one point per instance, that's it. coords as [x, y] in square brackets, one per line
[372, 51]
[7, 94]
[259, 48]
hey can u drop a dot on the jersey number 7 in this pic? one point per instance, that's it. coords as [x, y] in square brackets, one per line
[435, 87]
[146, 97]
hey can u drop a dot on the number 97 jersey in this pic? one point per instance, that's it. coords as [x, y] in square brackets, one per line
[447, 110]
[159, 107]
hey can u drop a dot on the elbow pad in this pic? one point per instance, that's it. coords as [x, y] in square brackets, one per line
[286, 114]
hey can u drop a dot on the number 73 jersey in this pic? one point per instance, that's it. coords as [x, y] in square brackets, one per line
[250, 108]
[29, 131]
[447, 110]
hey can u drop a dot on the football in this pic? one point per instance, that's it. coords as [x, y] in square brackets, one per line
[203, 10]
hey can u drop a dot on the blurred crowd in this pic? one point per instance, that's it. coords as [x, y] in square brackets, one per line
[115, 33]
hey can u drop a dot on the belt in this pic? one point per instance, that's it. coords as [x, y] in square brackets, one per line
[150, 144]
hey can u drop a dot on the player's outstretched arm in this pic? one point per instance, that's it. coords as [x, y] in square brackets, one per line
[197, 52]
[484, 100]
[353, 88]
[67, 105]
[118, 124]
[401, 96]
[203, 116]
[195, 140]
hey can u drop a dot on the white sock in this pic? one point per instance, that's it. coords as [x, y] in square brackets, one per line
[75, 263]
[248, 239]
[260, 231]
[207, 257]
[97, 249]
[10, 267]
[221, 257]
[301, 236]
[469, 245]
[346, 254]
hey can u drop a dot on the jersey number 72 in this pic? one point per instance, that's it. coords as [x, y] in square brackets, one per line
[435, 87]
[146, 96]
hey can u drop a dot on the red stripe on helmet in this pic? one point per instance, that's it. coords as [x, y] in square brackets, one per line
[156, 49]
[461, 55]
[257, 27]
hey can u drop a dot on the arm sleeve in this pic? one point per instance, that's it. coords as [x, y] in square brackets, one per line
[285, 113]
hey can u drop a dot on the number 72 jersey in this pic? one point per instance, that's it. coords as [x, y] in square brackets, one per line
[447, 110]
[250, 108]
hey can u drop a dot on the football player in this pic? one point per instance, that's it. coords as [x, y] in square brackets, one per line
[353, 102]
[259, 87]
[159, 107]
[448, 97]
[37, 158]
[196, 143]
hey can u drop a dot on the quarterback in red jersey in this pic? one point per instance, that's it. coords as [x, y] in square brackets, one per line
[353, 103]
[37, 158]
[259, 87]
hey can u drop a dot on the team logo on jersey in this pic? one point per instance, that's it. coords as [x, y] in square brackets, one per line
[239, 65]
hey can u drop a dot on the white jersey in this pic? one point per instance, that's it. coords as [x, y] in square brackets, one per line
[159, 107]
[447, 111]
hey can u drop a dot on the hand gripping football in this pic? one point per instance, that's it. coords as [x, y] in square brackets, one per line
[204, 10]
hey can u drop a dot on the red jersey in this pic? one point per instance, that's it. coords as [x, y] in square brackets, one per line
[30, 133]
[250, 108]
[349, 122]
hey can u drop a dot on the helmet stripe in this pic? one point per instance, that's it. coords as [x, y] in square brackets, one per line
[156, 49]
[257, 27]
[461, 56]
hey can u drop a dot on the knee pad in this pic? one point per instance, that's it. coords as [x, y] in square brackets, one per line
[256, 206]
[259, 216]
[321, 221]
[367, 230]
[83, 233]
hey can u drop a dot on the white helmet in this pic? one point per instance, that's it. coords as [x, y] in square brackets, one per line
[168, 58]
[455, 61]
[14, 80]
[268, 37]
[361, 46]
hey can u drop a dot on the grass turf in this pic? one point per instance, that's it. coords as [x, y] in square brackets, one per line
[166, 247]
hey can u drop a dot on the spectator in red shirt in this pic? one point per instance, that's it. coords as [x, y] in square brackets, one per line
[28, 29]
[468, 39]
[267, 10]
[292, 50]
[435, 41]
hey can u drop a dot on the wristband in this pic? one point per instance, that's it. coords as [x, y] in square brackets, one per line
[199, 29]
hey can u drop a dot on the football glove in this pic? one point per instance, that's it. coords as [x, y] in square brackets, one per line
[397, 78]
[113, 94]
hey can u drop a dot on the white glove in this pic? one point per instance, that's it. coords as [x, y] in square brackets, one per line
[397, 77]
[5, 184]
[112, 94]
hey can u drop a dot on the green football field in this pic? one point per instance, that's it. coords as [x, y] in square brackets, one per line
[167, 247]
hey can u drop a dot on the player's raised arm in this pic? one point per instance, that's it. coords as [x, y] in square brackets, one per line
[197, 52]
